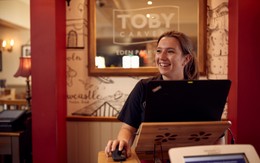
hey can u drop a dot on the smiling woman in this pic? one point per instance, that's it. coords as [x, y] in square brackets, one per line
[131, 28]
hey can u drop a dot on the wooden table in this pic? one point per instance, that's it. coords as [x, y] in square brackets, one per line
[10, 144]
[102, 158]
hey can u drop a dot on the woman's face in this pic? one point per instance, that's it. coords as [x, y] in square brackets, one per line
[170, 60]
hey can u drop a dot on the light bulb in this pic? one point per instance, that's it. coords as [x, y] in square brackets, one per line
[4, 44]
[11, 42]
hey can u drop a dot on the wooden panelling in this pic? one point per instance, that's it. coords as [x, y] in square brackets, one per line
[86, 139]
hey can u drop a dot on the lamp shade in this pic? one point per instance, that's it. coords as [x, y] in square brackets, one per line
[24, 69]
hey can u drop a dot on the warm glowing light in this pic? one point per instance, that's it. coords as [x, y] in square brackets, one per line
[4, 44]
[100, 62]
[130, 61]
[24, 69]
[7, 45]
[11, 42]
[149, 2]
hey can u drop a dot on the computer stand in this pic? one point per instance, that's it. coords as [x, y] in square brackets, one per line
[155, 139]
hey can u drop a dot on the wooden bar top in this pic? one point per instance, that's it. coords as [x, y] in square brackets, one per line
[13, 101]
[91, 118]
[15, 133]
[102, 158]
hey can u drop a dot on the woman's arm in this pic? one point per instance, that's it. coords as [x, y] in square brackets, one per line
[124, 139]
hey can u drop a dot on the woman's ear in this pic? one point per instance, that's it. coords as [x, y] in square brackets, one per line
[187, 59]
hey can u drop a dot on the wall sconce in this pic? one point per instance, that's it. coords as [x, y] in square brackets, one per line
[24, 70]
[7, 45]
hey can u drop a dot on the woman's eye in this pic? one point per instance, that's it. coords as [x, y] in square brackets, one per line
[170, 51]
[158, 51]
[167, 51]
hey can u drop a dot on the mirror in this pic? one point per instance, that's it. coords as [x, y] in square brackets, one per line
[123, 34]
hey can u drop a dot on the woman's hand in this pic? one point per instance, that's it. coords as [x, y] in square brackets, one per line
[124, 139]
[112, 145]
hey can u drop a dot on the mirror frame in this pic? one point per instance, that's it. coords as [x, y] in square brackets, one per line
[142, 71]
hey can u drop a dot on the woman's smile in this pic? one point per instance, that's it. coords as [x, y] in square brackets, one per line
[164, 64]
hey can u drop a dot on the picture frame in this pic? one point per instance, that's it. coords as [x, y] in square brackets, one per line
[26, 51]
[112, 49]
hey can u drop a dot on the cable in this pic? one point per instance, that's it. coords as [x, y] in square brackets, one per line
[232, 136]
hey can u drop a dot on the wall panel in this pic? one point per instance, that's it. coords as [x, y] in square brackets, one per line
[86, 139]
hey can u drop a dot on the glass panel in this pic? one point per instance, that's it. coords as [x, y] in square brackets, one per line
[123, 34]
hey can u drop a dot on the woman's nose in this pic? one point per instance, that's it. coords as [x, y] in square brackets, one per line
[163, 54]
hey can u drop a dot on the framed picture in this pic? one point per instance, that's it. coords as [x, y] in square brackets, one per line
[131, 28]
[26, 51]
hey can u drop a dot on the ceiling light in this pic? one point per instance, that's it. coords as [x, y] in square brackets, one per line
[149, 2]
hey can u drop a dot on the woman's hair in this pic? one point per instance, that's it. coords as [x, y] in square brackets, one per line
[191, 68]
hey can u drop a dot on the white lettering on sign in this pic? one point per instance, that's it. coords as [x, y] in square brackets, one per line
[135, 27]
[139, 34]
[139, 21]
[132, 52]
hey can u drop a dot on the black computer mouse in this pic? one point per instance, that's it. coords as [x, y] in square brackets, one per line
[119, 155]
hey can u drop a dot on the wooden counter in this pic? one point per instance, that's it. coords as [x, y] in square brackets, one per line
[102, 158]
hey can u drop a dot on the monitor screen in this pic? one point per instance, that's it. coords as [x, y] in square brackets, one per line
[228, 153]
[166, 100]
[226, 158]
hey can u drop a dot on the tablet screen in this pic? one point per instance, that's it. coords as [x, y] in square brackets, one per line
[227, 158]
